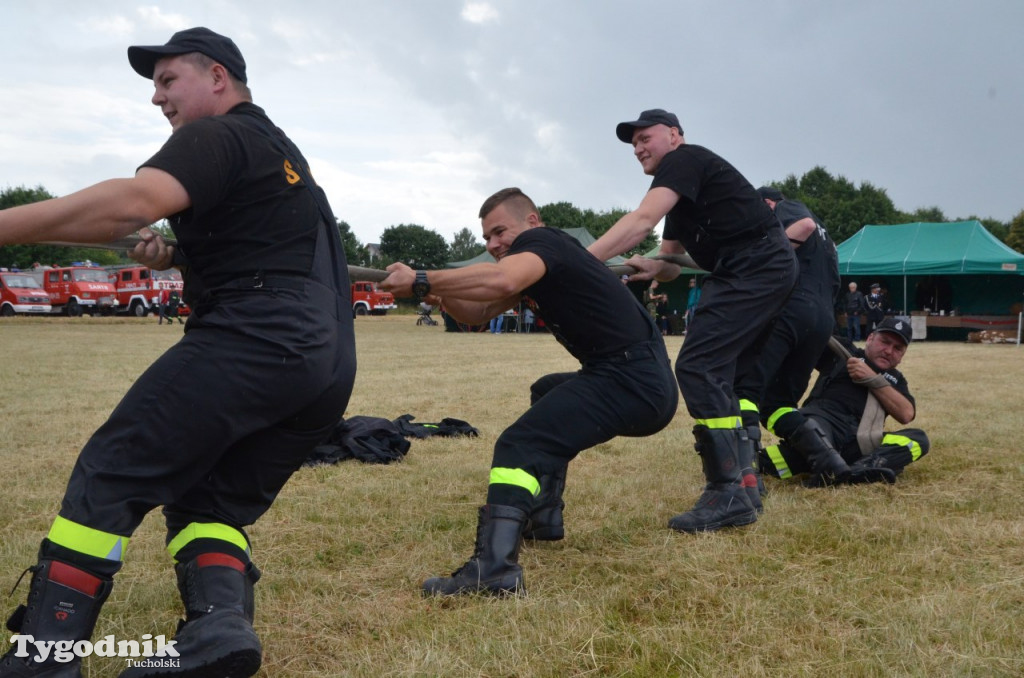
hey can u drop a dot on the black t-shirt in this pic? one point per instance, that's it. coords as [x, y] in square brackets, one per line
[836, 395]
[250, 210]
[717, 206]
[581, 301]
[817, 255]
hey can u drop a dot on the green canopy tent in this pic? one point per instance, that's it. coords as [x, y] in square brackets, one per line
[956, 267]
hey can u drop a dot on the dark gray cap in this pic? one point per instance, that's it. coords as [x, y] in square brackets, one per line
[649, 118]
[218, 47]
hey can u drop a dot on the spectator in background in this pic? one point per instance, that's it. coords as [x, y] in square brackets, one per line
[855, 305]
[691, 301]
[876, 307]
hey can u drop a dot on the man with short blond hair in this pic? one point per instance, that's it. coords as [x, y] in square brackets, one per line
[714, 214]
[215, 427]
[624, 386]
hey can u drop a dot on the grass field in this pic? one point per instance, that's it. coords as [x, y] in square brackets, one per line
[921, 578]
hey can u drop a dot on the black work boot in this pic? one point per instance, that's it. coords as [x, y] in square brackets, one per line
[871, 469]
[725, 501]
[827, 466]
[216, 637]
[63, 603]
[545, 522]
[494, 566]
[750, 477]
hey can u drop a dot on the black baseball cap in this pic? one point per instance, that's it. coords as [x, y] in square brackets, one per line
[770, 193]
[649, 118]
[218, 47]
[896, 326]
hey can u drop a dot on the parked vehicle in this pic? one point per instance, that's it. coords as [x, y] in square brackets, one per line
[140, 290]
[20, 292]
[76, 289]
[367, 299]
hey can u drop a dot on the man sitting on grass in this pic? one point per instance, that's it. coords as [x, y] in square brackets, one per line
[625, 385]
[846, 411]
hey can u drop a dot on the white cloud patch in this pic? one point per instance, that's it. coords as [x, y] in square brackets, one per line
[479, 12]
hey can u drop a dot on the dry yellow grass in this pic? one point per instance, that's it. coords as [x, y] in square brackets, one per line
[923, 578]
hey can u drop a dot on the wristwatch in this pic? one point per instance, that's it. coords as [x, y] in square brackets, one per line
[421, 286]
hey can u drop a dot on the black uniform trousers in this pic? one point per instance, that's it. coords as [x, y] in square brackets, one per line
[216, 426]
[785, 361]
[742, 295]
[632, 393]
[896, 451]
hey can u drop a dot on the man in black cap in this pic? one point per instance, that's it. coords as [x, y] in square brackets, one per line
[713, 213]
[771, 389]
[262, 374]
[855, 391]
[876, 306]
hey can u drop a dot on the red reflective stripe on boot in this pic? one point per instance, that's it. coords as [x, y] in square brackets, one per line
[222, 559]
[73, 578]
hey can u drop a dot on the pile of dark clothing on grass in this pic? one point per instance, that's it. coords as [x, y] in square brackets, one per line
[376, 440]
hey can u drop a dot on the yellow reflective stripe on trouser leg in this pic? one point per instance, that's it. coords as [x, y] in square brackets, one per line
[517, 477]
[195, 531]
[747, 405]
[86, 540]
[912, 446]
[720, 422]
[778, 461]
[778, 414]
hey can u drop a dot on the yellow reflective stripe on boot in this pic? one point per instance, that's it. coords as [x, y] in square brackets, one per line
[195, 531]
[86, 540]
[720, 422]
[517, 477]
[778, 461]
[776, 415]
[747, 405]
[912, 446]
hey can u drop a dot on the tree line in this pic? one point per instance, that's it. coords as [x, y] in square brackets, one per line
[841, 206]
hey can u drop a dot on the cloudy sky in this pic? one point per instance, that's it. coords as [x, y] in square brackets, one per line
[414, 111]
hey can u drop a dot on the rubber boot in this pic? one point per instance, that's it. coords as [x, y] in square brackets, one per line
[494, 566]
[63, 603]
[871, 469]
[216, 637]
[827, 466]
[545, 523]
[724, 502]
[747, 448]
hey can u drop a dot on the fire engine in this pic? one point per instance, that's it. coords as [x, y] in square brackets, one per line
[367, 299]
[77, 288]
[20, 292]
[140, 290]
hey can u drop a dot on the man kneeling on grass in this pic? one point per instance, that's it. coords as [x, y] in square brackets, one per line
[625, 385]
[843, 417]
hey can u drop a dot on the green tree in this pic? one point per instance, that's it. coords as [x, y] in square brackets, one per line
[1015, 234]
[355, 252]
[926, 215]
[23, 256]
[415, 246]
[465, 245]
[842, 207]
[563, 215]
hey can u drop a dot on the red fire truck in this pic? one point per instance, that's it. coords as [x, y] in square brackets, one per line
[77, 288]
[140, 290]
[20, 292]
[367, 299]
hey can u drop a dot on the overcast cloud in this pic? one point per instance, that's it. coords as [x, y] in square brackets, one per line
[414, 111]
